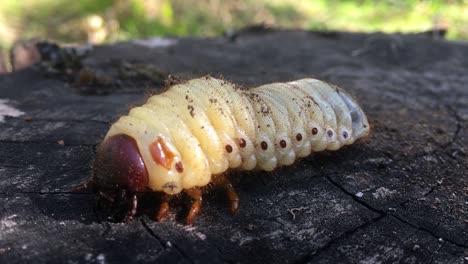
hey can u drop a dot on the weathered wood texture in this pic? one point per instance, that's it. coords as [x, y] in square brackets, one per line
[400, 196]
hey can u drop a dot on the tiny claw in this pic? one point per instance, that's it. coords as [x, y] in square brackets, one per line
[163, 210]
[233, 198]
[193, 213]
[128, 219]
[196, 195]
[234, 206]
[224, 182]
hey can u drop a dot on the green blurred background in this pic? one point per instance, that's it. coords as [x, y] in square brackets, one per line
[99, 21]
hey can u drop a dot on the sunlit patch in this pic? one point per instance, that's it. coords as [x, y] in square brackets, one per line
[6, 110]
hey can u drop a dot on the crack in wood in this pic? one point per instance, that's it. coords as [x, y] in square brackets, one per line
[429, 232]
[436, 252]
[354, 197]
[182, 253]
[153, 234]
[458, 128]
[310, 257]
[384, 213]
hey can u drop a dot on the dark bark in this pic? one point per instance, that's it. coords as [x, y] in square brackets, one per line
[400, 196]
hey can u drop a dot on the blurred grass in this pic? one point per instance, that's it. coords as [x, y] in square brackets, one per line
[112, 20]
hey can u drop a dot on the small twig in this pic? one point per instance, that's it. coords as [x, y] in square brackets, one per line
[296, 209]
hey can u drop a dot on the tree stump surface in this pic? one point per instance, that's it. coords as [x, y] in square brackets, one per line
[399, 196]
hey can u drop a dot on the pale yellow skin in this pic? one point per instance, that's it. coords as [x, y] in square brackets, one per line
[203, 122]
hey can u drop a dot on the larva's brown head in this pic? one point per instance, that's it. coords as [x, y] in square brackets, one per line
[119, 169]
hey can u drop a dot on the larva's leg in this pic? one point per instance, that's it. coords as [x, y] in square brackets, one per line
[224, 182]
[163, 207]
[196, 194]
[133, 209]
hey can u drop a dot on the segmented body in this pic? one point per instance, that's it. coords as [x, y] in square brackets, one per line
[203, 127]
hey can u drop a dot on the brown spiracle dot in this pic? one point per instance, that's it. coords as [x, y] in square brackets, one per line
[283, 143]
[228, 148]
[345, 135]
[299, 137]
[242, 143]
[314, 131]
[179, 167]
[264, 145]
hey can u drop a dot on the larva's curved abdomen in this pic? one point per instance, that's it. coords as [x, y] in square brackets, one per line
[206, 126]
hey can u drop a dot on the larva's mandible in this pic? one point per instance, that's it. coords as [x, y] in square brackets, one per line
[188, 136]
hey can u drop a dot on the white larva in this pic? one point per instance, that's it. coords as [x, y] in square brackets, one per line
[189, 135]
